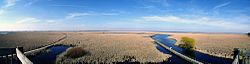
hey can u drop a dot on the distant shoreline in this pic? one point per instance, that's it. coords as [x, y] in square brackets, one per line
[126, 31]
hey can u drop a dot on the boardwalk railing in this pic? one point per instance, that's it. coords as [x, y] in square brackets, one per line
[22, 57]
[11, 53]
[246, 60]
[179, 54]
[236, 60]
[236, 56]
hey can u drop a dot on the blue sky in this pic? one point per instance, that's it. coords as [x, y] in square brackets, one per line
[163, 15]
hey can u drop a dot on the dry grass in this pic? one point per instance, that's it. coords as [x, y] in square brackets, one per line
[29, 40]
[216, 44]
[109, 47]
[101, 47]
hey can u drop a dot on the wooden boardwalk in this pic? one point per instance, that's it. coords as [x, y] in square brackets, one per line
[179, 54]
[42, 48]
[22, 57]
[236, 60]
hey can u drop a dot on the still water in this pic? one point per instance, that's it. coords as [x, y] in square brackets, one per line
[48, 57]
[163, 38]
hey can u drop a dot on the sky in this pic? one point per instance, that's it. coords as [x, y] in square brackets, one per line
[154, 15]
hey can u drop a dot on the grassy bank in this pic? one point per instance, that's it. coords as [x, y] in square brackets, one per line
[28, 40]
[220, 45]
[109, 48]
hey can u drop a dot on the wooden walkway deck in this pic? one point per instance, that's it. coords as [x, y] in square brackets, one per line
[179, 54]
[22, 57]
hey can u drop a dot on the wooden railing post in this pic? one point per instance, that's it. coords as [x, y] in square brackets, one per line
[178, 54]
[21, 49]
[236, 56]
[11, 59]
[22, 57]
[6, 57]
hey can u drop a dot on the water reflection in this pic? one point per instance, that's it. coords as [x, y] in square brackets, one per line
[205, 58]
[48, 57]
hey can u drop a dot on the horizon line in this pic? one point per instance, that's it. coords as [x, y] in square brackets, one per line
[173, 31]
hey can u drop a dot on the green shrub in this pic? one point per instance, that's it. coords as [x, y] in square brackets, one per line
[75, 52]
[242, 53]
[188, 43]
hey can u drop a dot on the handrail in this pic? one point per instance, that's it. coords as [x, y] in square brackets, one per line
[22, 57]
[38, 49]
[179, 54]
[236, 60]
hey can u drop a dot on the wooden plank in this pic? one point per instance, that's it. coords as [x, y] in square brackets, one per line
[179, 54]
[22, 57]
[236, 60]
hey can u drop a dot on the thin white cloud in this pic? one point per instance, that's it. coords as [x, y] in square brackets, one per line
[74, 15]
[67, 5]
[148, 6]
[9, 3]
[198, 21]
[161, 2]
[28, 23]
[30, 3]
[51, 21]
[27, 20]
[31, 23]
[120, 11]
[221, 5]
[108, 14]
